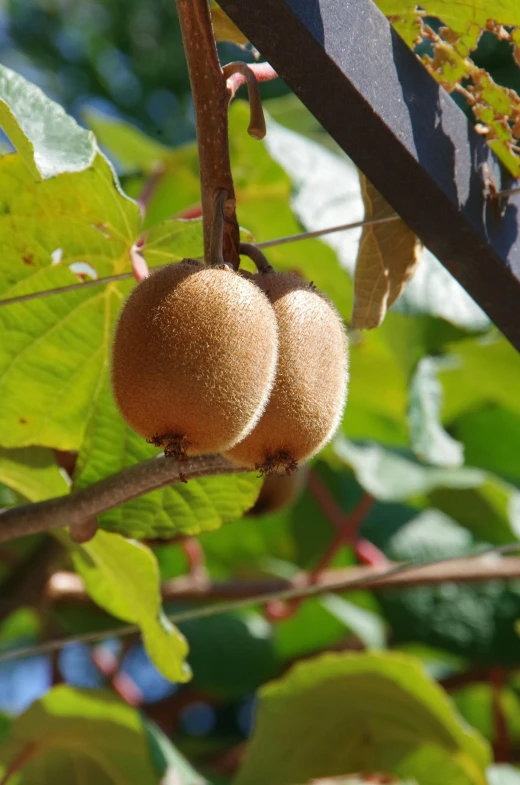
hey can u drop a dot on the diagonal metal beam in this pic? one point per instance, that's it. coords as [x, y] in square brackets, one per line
[345, 62]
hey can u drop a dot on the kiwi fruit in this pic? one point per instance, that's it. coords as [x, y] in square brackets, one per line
[309, 394]
[194, 358]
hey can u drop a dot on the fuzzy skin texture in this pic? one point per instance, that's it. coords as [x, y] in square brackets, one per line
[309, 395]
[194, 358]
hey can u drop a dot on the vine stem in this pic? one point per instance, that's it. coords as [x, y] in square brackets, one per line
[210, 100]
[81, 505]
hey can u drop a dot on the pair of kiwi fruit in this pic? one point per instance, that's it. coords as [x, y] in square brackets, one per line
[210, 360]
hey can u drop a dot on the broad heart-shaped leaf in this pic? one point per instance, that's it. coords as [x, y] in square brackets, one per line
[77, 736]
[122, 576]
[388, 716]
[132, 149]
[242, 653]
[33, 473]
[48, 139]
[57, 344]
[186, 508]
[386, 261]
[483, 371]
[483, 503]
[392, 475]
[428, 438]
[475, 622]
[491, 435]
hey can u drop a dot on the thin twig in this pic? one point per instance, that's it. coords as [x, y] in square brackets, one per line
[293, 238]
[108, 493]
[210, 100]
[438, 571]
[66, 588]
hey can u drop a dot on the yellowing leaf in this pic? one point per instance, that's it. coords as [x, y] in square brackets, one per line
[387, 259]
[224, 28]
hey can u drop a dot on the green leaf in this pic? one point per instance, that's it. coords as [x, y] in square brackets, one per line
[122, 576]
[22, 627]
[490, 435]
[491, 511]
[390, 475]
[133, 149]
[49, 141]
[474, 621]
[242, 653]
[365, 624]
[428, 438]
[482, 371]
[76, 736]
[311, 629]
[187, 508]
[57, 345]
[388, 716]
[33, 473]
[503, 774]
[168, 761]
[475, 703]
[173, 240]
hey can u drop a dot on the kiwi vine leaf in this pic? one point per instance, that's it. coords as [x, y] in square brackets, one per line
[430, 432]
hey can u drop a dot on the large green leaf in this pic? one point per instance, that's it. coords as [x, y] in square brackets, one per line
[475, 703]
[122, 576]
[388, 716]
[474, 621]
[33, 473]
[187, 508]
[392, 475]
[77, 736]
[130, 146]
[242, 653]
[428, 438]
[49, 141]
[491, 511]
[491, 435]
[483, 371]
[57, 344]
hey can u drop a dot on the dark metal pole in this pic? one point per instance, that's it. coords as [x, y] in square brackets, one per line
[345, 62]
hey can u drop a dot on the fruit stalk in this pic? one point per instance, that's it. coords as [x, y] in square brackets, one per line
[210, 99]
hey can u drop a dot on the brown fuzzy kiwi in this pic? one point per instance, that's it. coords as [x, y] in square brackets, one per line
[308, 398]
[279, 491]
[194, 358]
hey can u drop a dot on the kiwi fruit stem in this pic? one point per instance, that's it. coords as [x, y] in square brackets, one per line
[256, 255]
[216, 255]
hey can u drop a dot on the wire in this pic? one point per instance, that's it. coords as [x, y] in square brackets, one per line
[293, 238]
[216, 609]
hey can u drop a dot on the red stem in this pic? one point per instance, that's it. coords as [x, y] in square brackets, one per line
[346, 528]
[263, 72]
